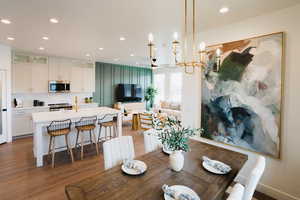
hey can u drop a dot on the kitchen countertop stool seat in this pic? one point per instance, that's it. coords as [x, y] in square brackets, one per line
[86, 124]
[55, 129]
[109, 123]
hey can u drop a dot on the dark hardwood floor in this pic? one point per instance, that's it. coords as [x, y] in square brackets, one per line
[20, 179]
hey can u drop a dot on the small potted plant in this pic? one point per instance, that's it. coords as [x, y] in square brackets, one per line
[150, 94]
[176, 137]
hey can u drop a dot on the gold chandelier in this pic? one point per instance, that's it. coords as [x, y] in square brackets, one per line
[199, 55]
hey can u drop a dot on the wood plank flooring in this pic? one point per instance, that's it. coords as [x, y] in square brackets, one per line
[21, 180]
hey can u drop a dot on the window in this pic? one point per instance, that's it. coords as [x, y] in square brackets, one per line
[169, 86]
[159, 84]
[175, 87]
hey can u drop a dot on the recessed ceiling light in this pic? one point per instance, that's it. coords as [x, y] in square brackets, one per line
[41, 48]
[132, 55]
[88, 55]
[224, 10]
[10, 38]
[101, 48]
[54, 20]
[45, 38]
[5, 21]
[122, 38]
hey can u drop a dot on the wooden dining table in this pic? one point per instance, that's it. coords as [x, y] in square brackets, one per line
[113, 184]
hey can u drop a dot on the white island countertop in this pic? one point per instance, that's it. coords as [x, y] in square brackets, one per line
[44, 117]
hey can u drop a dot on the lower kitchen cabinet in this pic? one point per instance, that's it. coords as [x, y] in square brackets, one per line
[22, 120]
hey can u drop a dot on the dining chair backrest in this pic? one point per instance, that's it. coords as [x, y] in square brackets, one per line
[151, 141]
[237, 192]
[116, 150]
[254, 178]
[146, 120]
[86, 121]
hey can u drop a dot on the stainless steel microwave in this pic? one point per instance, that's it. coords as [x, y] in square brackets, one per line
[59, 86]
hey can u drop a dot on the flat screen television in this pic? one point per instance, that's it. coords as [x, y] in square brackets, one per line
[129, 92]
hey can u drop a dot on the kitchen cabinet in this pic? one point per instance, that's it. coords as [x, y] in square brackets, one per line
[77, 79]
[31, 73]
[83, 79]
[39, 82]
[89, 79]
[30, 78]
[22, 120]
[60, 69]
[22, 78]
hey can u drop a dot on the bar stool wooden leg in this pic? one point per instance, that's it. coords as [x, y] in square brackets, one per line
[105, 131]
[53, 151]
[76, 143]
[115, 131]
[96, 143]
[50, 143]
[81, 138]
[68, 148]
[99, 134]
[91, 141]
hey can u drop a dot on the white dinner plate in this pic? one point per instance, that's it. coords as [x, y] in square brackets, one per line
[133, 171]
[212, 169]
[165, 150]
[182, 189]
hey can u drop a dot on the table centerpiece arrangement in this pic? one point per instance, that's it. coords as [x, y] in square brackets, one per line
[176, 138]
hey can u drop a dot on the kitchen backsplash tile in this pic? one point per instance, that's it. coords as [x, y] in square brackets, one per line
[51, 98]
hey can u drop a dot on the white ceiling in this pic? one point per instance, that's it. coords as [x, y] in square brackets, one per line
[86, 25]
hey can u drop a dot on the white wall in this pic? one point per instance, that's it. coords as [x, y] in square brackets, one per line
[5, 64]
[282, 177]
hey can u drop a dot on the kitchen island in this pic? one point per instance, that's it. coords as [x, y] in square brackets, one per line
[42, 119]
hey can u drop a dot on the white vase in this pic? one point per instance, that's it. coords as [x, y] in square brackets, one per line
[176, 161]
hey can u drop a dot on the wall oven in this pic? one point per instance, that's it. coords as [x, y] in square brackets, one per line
[59, 86]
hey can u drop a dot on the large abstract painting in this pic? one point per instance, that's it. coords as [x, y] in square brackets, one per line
[241, 94]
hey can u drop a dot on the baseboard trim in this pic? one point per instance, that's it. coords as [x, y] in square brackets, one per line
[270, 191]
[22, 136]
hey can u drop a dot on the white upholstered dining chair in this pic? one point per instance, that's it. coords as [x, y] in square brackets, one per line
[151, 141]
[237, 192]
[254, 177]
[116, 150]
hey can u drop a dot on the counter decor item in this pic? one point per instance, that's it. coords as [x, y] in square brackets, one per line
[76, 104]
[176, 137]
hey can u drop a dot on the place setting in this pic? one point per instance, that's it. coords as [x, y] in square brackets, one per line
[133, 167]
[215, 166]
[179, 192]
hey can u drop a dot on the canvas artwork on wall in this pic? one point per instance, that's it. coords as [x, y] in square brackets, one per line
[241, 94]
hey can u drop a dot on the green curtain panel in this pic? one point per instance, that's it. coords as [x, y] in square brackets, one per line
[108, 76]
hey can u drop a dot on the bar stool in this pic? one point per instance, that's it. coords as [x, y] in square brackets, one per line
[86, 124]
[109, 121]
[55, 129]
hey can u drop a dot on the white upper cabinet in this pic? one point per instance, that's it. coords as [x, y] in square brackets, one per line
[77, 79]
[60, 69]
[31, 74]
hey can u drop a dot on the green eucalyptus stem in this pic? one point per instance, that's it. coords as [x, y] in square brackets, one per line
[173, 134]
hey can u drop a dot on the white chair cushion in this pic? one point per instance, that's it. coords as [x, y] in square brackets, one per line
[254, 178]
[151, 141]
[116, 150]
[237, 192]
